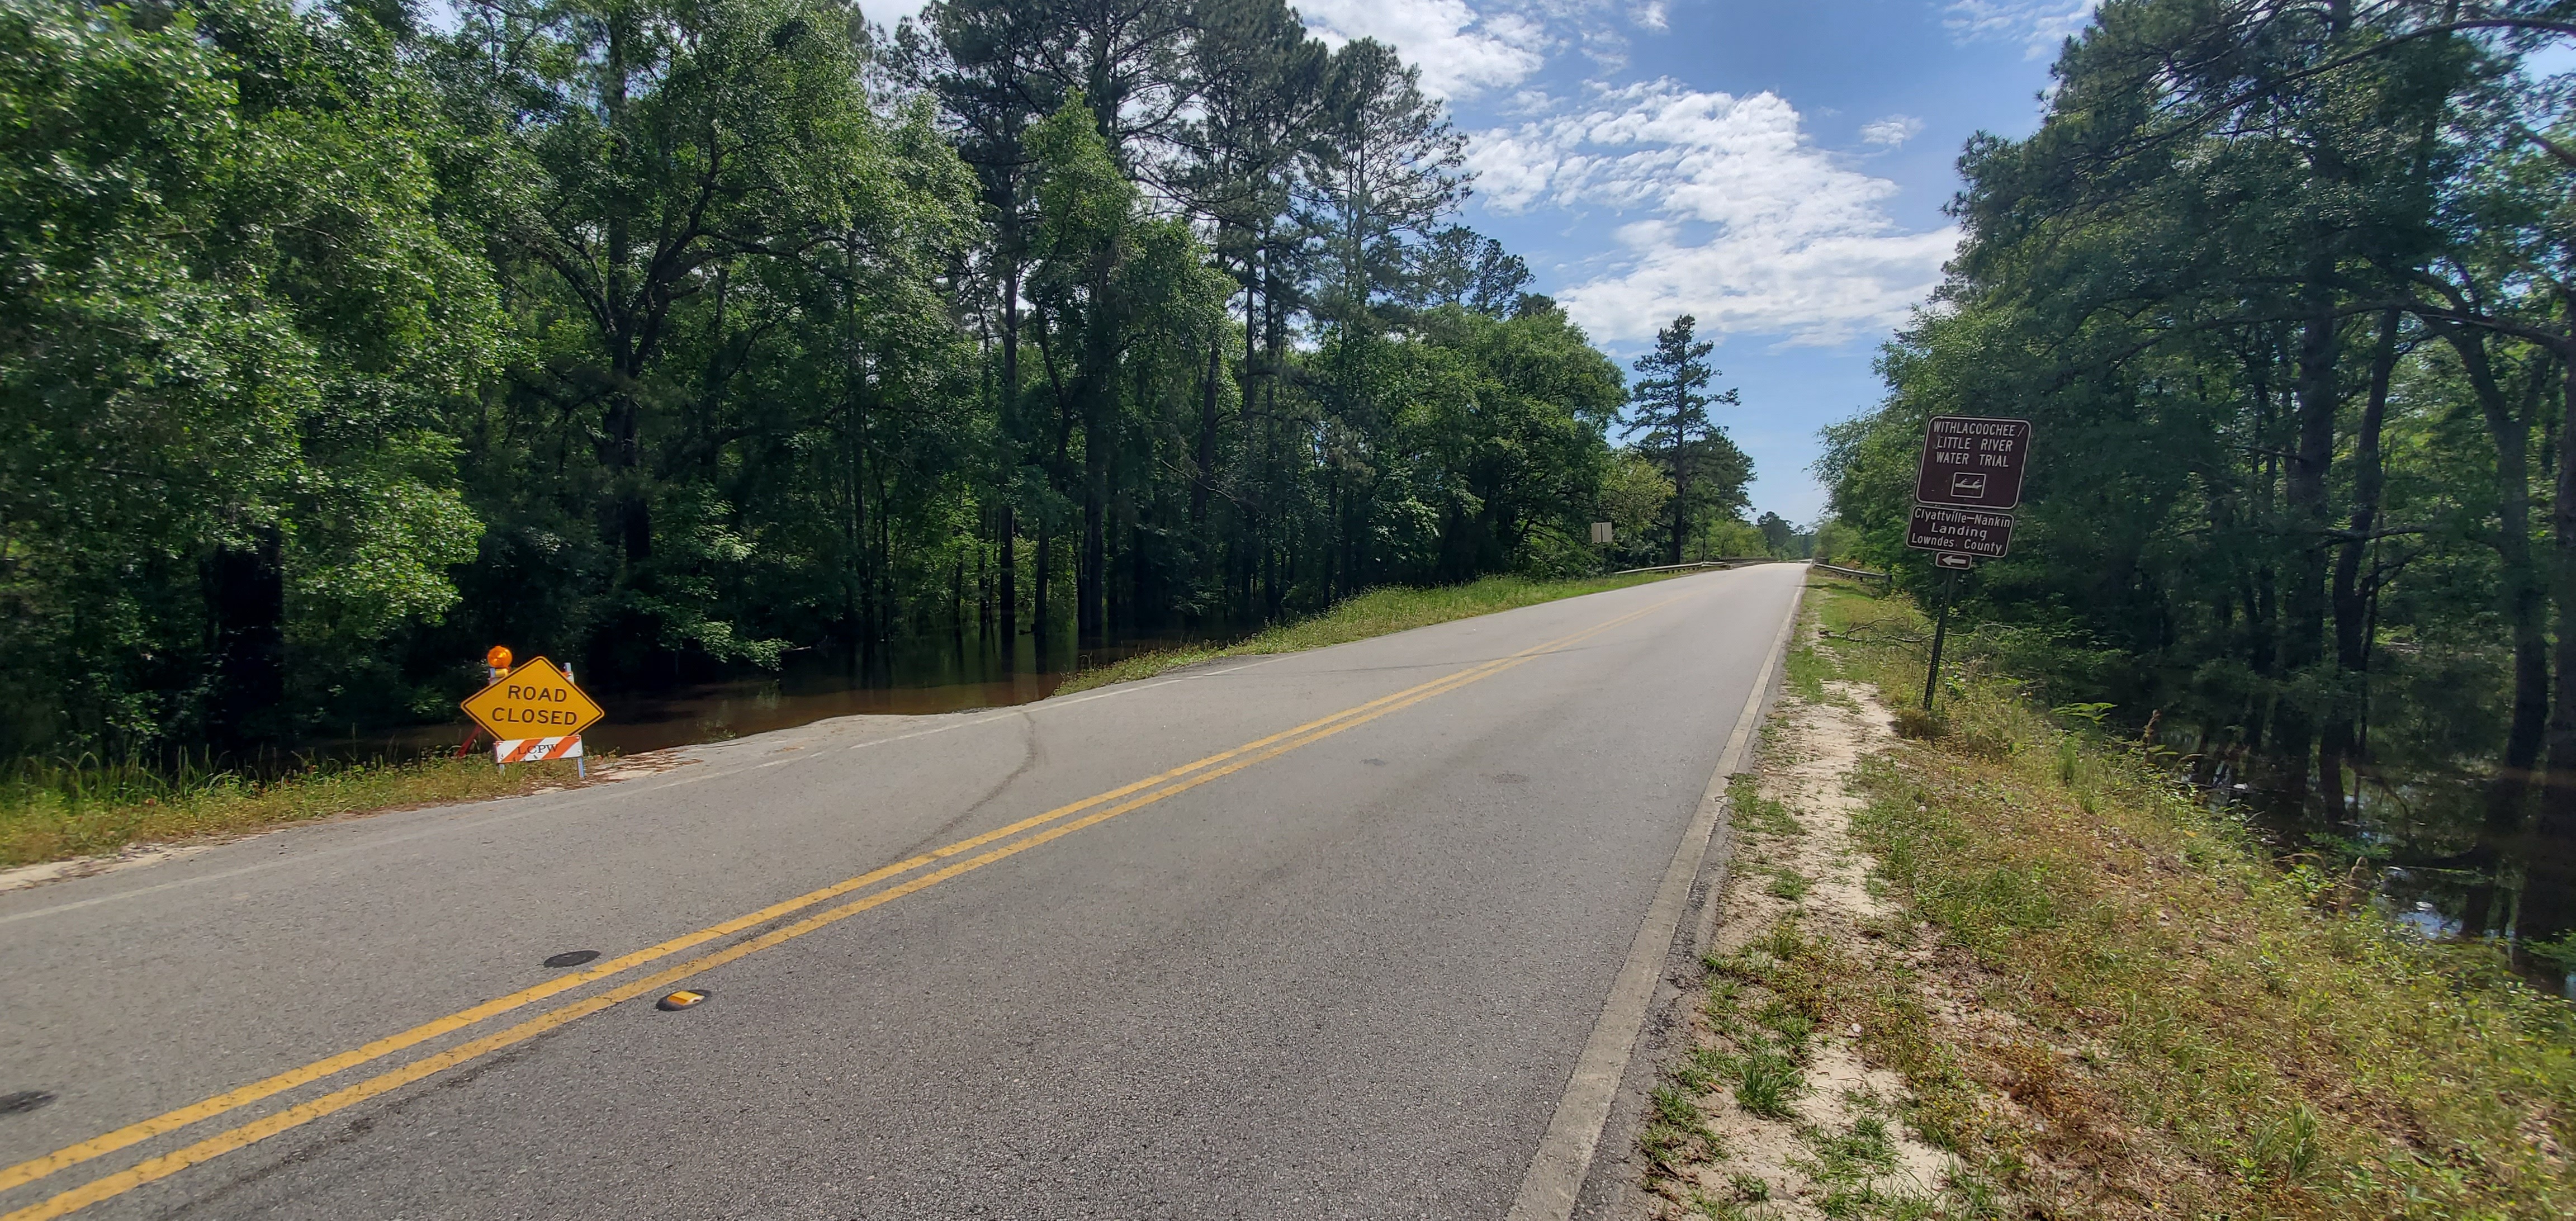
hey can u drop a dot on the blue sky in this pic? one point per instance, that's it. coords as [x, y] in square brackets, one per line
[1775, 168]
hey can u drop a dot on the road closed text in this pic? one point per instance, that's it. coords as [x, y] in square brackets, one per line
[546, 709]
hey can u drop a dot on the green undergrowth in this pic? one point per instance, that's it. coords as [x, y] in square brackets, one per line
[1378, 612]
[59, 811]
[2186, 1029]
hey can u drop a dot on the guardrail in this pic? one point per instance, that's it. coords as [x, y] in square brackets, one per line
[1860, 574]
[1723, 561]
[1675, 567]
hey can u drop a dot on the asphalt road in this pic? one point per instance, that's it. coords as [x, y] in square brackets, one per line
[1344, 972]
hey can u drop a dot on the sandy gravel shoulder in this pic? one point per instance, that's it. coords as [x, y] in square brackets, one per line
[1765, 1113]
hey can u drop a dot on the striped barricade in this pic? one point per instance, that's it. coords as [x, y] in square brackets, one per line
[532, 750]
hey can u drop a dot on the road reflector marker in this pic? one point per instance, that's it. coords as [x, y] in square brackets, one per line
[571, 958]
[682, 999]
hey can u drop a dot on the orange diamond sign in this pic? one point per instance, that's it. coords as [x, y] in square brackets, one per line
[534, 701]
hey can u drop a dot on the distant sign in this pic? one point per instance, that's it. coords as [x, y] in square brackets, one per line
[1970, 462]
[1965, 532]
[533, 701]
[1601, 532]
[1953, 559]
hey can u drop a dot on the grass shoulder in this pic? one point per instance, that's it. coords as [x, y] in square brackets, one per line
[57, 813]
[2072, 989]
[1378, 612]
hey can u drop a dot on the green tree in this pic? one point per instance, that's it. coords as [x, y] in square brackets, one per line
[723, 259]
[233, 329]
[1669, 412]
[679, 339]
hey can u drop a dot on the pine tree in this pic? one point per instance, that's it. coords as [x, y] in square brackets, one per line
[1670, 412]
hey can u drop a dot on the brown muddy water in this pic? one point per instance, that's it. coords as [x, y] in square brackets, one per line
[927, 675]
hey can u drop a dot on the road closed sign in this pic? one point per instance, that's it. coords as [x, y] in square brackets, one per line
[533, 701]
[1972, 462]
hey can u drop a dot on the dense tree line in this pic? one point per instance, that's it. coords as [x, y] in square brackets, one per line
[2289, 290]
[678, 335]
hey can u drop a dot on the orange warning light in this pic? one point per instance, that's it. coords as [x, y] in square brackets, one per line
[498, 658]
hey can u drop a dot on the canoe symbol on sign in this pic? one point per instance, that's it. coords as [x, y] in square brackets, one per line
[1965, 486]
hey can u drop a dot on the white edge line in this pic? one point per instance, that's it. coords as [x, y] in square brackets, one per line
[1564, 1156]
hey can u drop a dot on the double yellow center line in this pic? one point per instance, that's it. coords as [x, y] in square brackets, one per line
[1056, 823]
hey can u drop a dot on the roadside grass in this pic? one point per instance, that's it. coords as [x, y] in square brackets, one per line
[2109, 1000]
[1378, 612]
[59, 811]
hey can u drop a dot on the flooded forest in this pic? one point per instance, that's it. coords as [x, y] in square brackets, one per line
[2289, 293]
[745, 355]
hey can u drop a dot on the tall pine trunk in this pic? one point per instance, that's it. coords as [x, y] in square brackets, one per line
[2303, 492]
[2549, 887]
[1009, 593]
[2337, 742]
[2521, 590]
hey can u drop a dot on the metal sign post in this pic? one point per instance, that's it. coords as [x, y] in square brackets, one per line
[1940, 632]
[1970, 472]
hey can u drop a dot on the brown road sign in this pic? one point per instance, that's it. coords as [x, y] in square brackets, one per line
[1986, 536]
[1953, 559]
[533, 701]
[1970, 462]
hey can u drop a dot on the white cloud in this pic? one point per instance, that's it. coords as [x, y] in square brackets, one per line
[890, 11]
[1744, 223]
[1460, 50]
[1652, 15]
[2041, 26]
[1891, 131]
